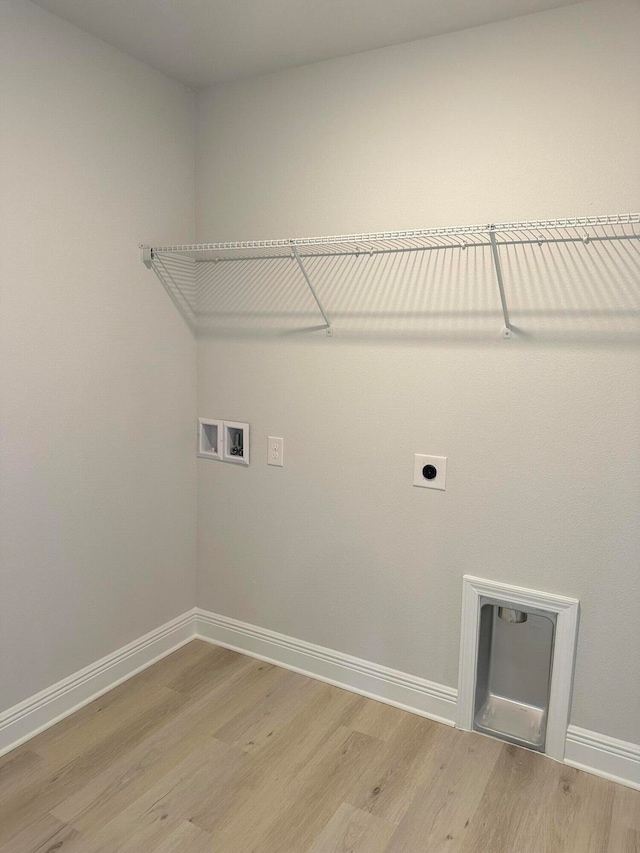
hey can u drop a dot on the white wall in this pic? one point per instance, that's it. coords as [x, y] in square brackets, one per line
[97, 368]
[536, 117]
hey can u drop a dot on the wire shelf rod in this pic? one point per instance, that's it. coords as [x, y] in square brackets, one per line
[507, 331]
[532, 241]
[313, 291]
[459, 232]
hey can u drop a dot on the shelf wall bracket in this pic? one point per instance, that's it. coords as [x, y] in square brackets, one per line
[146, 255]
[327, 321]
[507, 331]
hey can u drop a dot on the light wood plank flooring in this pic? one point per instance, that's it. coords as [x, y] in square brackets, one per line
[209, 751]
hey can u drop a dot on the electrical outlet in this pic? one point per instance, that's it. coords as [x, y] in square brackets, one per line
[430, 472]
[275, 451]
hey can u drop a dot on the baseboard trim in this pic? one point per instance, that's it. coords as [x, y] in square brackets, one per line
[594, 753]
[32, 716]
[613, 759]
[601, 755]
[400, 689]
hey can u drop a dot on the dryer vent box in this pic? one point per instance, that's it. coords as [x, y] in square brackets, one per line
[515, 651]
[517, 654]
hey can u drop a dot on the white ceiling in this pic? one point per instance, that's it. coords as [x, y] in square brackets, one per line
[203, 42]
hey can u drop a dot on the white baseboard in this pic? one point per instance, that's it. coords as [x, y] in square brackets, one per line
[604, 756]
[408, 692]
[598, 754]
[27, 719]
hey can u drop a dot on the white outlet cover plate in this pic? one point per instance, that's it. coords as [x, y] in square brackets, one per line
[439, 463]
[275, 451]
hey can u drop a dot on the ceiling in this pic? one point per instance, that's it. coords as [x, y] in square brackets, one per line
[204, 42]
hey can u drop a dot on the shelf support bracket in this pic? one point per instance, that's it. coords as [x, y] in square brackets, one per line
[312, 289]
[146, 256]
[508, 328]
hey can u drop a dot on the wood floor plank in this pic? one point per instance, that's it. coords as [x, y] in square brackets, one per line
[390, 783]
[304, 807]
[58, 843]
[252, 728]
[186, 838]
[210, 751]
[632, 841]
[579, 813]
[157, 675]
[143, 836]
[45, 833]
[530, 780]
[280, 760]
[164, 672]
[379, 720]
[591, 813]
[256, 795]
[444, 805]
[196, 785]
[196, 679]
[352, 830]
[18, 769]
[59, 748]
[189, 730]
[47, 790]
[625, 821]
[155, 814]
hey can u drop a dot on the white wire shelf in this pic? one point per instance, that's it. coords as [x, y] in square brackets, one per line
[591, 229]
[596, 228]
